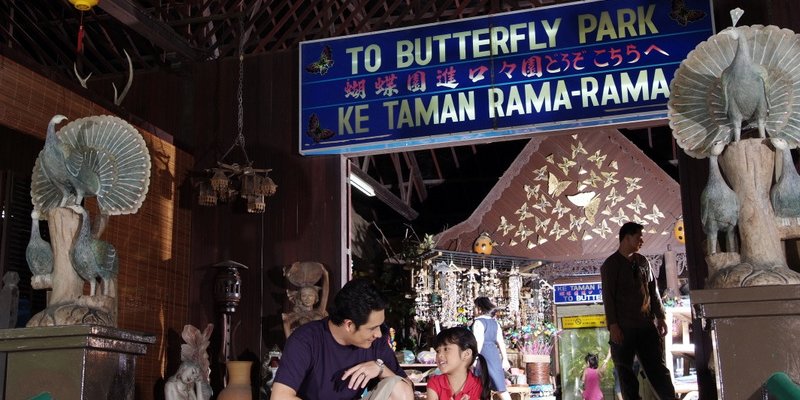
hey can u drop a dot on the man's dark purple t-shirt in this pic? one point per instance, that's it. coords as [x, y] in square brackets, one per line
[313, 363]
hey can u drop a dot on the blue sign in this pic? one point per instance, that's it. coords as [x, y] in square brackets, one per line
[574, 65]
[578, 293]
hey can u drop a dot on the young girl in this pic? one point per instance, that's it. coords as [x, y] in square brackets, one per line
[456, 350]
[592, 377]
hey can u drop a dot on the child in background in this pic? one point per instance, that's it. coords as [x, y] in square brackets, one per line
[592, 376]
[456, 350]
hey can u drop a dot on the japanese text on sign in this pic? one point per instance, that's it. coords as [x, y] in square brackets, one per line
[580, 64]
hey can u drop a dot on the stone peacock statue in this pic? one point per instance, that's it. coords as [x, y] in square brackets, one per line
[93, 258]
[785, 194]
[39, 255]
[719, 206]
[101, 156]
[744, 85]
[97, 156]
[742, 77]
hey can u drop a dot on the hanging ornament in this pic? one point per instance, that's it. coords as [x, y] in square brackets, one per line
[79, 46]
[483, 244]
[680, 232]
[84, 5]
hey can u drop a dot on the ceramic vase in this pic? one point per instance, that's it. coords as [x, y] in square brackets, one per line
[238, 382]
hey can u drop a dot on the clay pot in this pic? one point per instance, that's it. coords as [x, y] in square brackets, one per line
[238, 382]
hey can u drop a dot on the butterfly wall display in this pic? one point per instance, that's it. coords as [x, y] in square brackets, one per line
[562, 211]
[323, 64]
[684, 16]
[316, 132]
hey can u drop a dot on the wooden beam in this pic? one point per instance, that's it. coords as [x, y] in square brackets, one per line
[161, 34]
[385, 195]
[415, 175]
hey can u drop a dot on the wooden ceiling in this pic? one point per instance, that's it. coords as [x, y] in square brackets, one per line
[165, 33]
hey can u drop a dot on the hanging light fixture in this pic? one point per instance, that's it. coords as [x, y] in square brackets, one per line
[227, 181]
[82, 6]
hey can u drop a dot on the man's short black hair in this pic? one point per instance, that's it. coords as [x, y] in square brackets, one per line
[629, 228]
[356, 301]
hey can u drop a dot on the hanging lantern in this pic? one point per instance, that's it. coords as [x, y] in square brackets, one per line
[84, 5]
[206, 196]
[256, 204]
[251, 185]
[268, 187]
[228, 294]
[219, 181]
[483, 244]
[228, 285]
[228, 181]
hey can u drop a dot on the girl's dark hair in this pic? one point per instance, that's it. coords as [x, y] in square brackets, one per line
[592, 360]
[464, 339]
[484, 304]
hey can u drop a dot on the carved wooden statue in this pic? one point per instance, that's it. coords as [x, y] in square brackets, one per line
[737, 80]
[308, 304]
[192, 380]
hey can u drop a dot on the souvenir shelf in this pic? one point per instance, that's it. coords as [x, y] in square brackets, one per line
[447, 282]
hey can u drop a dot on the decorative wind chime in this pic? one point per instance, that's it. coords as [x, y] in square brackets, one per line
[445, 293]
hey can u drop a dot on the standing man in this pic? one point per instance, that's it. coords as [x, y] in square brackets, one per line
[335, 358]
[635, 315]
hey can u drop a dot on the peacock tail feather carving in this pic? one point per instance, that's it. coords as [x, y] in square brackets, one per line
[102, 156]
[697, 106]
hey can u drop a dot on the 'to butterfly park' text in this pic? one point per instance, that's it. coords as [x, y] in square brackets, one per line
[579, 64]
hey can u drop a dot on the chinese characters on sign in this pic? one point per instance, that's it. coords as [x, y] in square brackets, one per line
[580, 64]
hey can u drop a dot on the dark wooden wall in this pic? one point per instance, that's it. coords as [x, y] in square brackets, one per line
[197, 103]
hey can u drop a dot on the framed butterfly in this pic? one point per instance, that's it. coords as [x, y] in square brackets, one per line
[316, 132]
[324, 63]
[684, 16]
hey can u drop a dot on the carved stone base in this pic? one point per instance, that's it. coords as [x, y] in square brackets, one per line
[71, 314]
[755, 333]
[79, 362]
[745, 274]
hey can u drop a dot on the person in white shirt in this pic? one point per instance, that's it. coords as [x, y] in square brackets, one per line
[491, 345]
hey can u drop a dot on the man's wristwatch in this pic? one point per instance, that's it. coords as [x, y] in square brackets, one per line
[381, 365]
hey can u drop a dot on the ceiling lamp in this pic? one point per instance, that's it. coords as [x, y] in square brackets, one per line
[84, 5]
[227, 181]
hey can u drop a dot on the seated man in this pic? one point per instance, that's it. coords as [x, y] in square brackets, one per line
[336, 357]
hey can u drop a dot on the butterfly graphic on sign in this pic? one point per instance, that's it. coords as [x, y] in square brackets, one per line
[324, 63]
[316, 132]
[684, 16]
